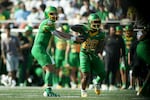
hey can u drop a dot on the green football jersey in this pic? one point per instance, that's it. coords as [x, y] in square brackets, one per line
[41, 42]
[93, 39]
[44, 33]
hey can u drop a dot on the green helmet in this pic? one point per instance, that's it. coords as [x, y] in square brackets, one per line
[66, 28]
[94, 21]
[129, 30]
[128, 27]
[119, 28]
[51, 13]
[28, 28]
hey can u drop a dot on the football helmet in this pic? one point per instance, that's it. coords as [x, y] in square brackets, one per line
[66, 28]
[119, 30]
[94, 21]
[51, 13]
[129, 30]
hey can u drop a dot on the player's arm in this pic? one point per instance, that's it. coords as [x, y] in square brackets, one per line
[100, 48]
[67, 36]
[101, 44]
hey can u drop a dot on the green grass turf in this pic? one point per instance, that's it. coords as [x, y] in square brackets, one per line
[35, 93]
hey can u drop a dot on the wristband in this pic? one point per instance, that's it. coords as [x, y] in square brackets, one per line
[73, 38]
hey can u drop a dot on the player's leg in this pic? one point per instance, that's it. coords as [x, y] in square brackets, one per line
[85, 69]
[84, 82]
[59, 76]
[74, 64]
[48, 80]
[146, 87]
[98, 67]
[123, 75]
[47, 64]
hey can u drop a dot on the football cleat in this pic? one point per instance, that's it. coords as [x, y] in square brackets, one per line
[49, 93]
[97, 89]
[124, 87]
[104, 87]
[73, 85]
[59, 87]
[139, 92]
[84, 94]
[112, 88]
[91, 86]
[131, 87]
[137, 88]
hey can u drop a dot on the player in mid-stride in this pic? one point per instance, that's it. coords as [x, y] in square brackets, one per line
[90, 53]
[39, 50]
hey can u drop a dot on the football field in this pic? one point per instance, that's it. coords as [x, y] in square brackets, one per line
[35, 93]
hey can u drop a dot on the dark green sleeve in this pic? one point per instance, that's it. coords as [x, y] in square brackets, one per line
[78, 28]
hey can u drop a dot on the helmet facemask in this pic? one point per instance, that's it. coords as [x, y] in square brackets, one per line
[51, 13]
[94, 21]
[129, 33]
[95, 24]
[129, 30]
[53, 16]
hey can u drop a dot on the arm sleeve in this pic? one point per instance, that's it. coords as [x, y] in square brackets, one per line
[100, 47]
[61, 35]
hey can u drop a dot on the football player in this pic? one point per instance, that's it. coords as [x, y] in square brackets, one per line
[39, 50]
[90, 52]
[129, 38]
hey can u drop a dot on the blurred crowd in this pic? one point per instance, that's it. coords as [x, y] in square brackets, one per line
[22, 12]
[118, 17]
